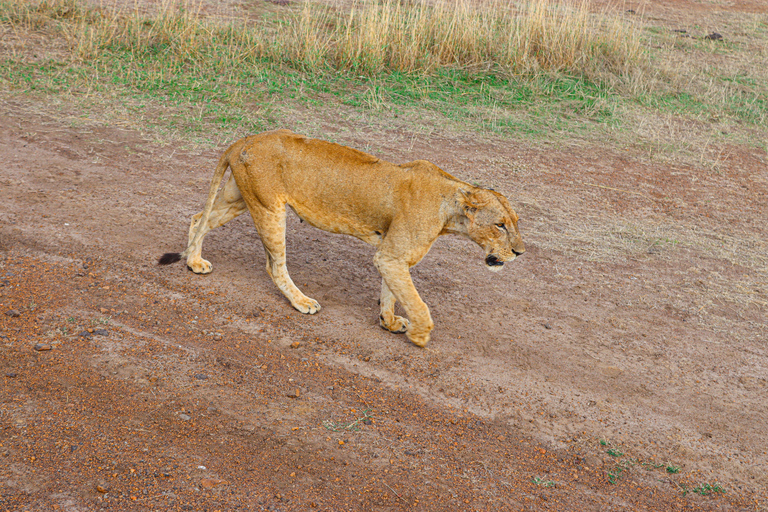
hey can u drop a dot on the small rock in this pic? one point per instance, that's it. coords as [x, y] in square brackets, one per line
[547, 326]
[210, 483]
[201, 376]
[85, 334]
[11, 375]
[714, 36]
[295, 394]
[102, 488]
[611, 371]
[593, 462]
[101, 332]
[40, 347]
[295, 344]
[13, 313]
[185, 417]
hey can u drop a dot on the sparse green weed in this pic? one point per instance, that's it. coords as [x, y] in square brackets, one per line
[348, 426]
[543, 482]
[707, 489]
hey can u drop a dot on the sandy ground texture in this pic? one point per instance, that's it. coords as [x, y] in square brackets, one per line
[620, 364]
[629, 339]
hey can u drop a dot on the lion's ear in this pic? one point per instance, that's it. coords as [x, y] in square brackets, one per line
[468, 202]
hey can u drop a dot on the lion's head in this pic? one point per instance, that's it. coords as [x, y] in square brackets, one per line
[492, 224]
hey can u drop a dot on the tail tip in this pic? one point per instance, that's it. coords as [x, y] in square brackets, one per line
[168, 258]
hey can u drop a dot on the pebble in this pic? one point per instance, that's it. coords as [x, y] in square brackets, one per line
[209, 483]
[11, 375]
[85, 334]
[201, 376]
[295, 344]
[40, 347]
[101, 332]
[14, 313]
[102, 489]
[185, 417]
[295, 394]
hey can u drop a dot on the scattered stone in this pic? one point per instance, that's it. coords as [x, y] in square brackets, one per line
[102, 488]
[295, 394]
[185, 417]
[11, 375]
[593, 462]
[153, 379]
[611, 371]
[295, 344]
[40, 347]
[218, 337]
[367, 421]
[85, 334]
[201, 376]
[547, 326]
[367, 358]
[714, 36]
[210, 483]
[13, 313]
[4, 282]
[101, 332]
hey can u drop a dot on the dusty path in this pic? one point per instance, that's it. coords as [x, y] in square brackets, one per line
[637, 317]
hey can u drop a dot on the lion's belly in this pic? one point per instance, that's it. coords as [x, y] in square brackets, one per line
[341, 220]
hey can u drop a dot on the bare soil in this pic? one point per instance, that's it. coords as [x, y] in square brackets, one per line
[635, 324]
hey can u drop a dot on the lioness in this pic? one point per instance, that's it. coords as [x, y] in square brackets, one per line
[399, 209]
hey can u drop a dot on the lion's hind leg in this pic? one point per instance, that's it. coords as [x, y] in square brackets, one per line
[271, 228]
[229, 204]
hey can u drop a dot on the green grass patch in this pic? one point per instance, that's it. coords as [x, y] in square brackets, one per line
[178, 73]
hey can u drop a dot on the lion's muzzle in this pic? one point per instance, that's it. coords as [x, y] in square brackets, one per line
[493, 261]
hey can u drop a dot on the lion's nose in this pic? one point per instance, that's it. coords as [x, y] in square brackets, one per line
[492, 260]
[518, 253]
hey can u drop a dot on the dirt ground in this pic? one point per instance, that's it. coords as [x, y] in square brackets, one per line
[620, 364]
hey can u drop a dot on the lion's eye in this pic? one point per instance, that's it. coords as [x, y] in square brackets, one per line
[501, 227]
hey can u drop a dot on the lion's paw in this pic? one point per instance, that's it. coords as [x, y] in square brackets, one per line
[200, 266]
[307, 306]
[420, 340]
[398, 325]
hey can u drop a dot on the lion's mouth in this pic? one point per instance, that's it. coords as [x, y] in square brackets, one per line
[493, 261]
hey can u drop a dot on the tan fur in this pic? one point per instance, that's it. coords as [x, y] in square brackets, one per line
[399, 209]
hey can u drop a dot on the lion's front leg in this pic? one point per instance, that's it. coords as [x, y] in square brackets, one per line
[387, 319]
[397, 279]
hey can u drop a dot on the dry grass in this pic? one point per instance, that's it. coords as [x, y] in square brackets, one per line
[370, 37]
[519, 39]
